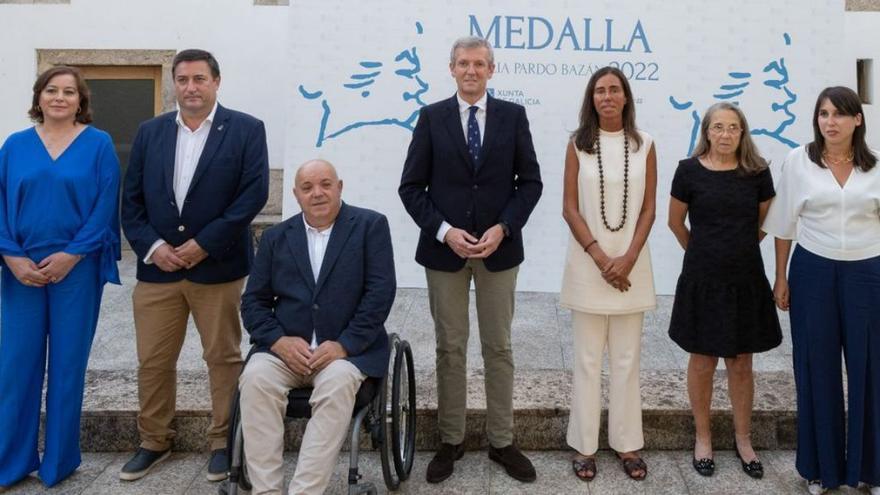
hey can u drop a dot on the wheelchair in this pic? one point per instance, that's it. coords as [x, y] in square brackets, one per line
[385, 407]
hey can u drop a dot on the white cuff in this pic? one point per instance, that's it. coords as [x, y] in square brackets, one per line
[441, 232]
[148, 259]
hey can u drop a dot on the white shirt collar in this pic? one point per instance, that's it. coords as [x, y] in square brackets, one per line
[208, 120]
[309, 228]
[464, 106]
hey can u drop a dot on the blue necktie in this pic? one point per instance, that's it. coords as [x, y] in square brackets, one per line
[473, 134]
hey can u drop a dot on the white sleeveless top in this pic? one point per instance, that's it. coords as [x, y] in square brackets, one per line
[583, 288]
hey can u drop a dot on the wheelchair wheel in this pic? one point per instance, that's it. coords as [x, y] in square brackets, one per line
[384, 418]
[235, 447]
[403, 411]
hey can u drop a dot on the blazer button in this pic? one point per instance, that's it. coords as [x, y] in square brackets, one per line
[476, 187]
[181, 228]
[316, 307]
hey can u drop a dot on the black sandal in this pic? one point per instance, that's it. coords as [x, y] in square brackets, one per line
[633, 464]
[583, 465]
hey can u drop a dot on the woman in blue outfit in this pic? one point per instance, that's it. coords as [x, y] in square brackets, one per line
[828, 199]
[59, 238]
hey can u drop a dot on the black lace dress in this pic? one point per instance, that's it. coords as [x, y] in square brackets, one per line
[723, 301]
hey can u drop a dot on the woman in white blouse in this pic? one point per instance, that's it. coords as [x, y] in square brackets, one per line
[828, 199]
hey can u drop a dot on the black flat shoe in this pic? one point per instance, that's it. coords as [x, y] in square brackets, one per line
[704, 466]
[754, 469]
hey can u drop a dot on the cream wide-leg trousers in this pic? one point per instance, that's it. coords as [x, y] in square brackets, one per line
[264, 384]
[623, 336]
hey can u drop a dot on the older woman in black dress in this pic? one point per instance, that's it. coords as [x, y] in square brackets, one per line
[723, 302]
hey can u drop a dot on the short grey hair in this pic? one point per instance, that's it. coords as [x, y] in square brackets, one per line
[468, 42]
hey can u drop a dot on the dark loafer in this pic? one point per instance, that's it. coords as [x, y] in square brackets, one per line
[218, 467]
[518, 466]
[443, 463]
[754, 468]
[143, 461]
[704, 466]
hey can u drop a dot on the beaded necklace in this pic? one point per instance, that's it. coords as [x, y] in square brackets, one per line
[602, 183]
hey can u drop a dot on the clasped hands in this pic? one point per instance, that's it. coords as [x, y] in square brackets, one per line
[171, 259]
[615, 271]
[301, 359]
[52, 269]
[468, 246]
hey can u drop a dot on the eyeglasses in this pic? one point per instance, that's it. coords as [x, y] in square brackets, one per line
[718, 129]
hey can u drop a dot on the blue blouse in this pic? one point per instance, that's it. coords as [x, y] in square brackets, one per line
[70, 204]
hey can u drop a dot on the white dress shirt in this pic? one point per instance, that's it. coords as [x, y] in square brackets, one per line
[464, 110]
[190, 144]
[318, 240]
[839, 223]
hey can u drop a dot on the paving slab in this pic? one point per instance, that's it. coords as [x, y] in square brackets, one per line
[669, 473]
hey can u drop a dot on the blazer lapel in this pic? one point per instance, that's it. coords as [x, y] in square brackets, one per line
[215, 138]
[453, 125]
[341, 231]
[299, 245]
[493, 125]
[168, 148]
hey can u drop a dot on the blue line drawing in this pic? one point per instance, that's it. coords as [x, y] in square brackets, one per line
[777, 78]
[375, 79]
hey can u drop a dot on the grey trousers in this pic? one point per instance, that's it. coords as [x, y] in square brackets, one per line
[448, 293]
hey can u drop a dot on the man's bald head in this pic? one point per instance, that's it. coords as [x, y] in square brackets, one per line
[311, 165]
[318, 191]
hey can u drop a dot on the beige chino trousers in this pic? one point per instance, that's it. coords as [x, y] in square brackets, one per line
[161, 312]
[264, 385]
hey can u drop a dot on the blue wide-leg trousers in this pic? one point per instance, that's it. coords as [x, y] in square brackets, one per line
[835, 306]
[57, 321]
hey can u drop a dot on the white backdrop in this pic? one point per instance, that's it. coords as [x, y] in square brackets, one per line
[360, 72]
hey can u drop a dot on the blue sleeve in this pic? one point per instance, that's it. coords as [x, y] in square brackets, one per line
[8, 245]
[527, 179]
[135, 221]
[100, 231]
[253, 191]
[380, 287]
[258, 301]
[416, 177]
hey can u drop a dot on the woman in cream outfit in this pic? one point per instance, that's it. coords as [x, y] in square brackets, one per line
[608, 202]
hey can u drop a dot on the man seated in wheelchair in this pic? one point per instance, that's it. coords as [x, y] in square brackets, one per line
[321, 287]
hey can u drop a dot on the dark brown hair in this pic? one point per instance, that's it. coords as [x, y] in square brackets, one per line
[749, 161]
[83, 113]
[196, 55]
[588, 130]
[847, 102]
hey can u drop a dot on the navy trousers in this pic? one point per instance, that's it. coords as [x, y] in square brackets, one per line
[58, 320]
[835, 305]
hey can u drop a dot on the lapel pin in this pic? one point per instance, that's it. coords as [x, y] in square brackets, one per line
[220, 127]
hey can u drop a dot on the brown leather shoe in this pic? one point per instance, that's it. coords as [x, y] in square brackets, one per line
[443, 463]
[518, 466]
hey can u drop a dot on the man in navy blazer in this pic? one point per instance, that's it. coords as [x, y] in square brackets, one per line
[470, 182]
[315, 306]
[195, 180]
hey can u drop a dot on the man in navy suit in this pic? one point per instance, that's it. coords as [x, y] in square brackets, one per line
[315, 306]
[196, 178]
[470, 182]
